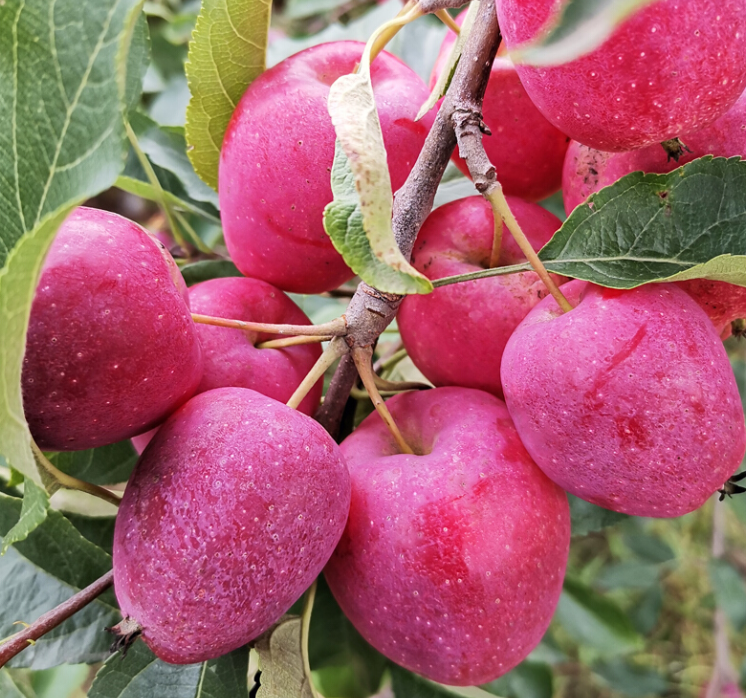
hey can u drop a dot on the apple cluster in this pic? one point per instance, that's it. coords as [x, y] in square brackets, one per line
[449, 560]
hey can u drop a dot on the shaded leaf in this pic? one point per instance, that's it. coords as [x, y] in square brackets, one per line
[106, 465]
[374, 256]
[8, 687]
[649, 548]
[686, 224]
[226, 54]
[586, 517]
[631, 679]
[730, 591]
[405, 684]
[207, 269]
[33, 513]
[595, 620]
[582, 26]
[645, 613]
[527, 680]
[141, 675]
[97, 529]
[628, 575]
[281, 662]
[52, 564]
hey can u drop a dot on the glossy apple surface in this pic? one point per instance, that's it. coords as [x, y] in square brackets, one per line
[671, 68]
[456, 335]
[230, 514]
[231, 357]
[452, 561]
[627, 401]
[525, 148]
[276, 160]
[587, 170]
[111, 348]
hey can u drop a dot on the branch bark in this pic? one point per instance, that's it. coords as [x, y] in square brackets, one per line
[371, 311]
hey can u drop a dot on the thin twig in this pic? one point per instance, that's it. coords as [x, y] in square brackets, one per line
[293, 341]
[73, 483]
[335, 350]
[363, 360]
[305, 631]
[335, 328]
[444, 17]
[497, 238]
[50, 620]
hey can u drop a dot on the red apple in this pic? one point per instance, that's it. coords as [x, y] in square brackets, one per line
[230, 514]
[722, 302]
[452, 560]
[111, 348]
[277, 155]
[456, 335]
[231, 357]
[627, 401]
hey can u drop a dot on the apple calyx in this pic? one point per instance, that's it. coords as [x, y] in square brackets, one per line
[125, 633]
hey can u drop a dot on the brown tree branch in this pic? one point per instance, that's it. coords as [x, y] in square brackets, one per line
[51, 619]
[371, 311]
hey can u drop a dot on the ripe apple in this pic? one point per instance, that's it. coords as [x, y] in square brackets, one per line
[671, 68]
[111, 348]
[231, 357]
[587, 170]
[627, 401]
[453, 559]
[229, 515]
[722, 302]
[275, 164]
[456, 335]
[526, 149]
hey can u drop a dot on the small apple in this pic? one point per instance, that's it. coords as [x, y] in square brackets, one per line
[230, 514]
[628, 400]
[231, 357]
[453, 559]
[111, 349]
[456, 334]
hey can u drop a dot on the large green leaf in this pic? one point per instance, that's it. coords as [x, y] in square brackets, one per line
[141, 675]
[226, 54]
[580, 27]
[33, 513]
[62, 141]
[106, 465]
[375, 258]
[97, 529]
[408, 685]
[8, 687]
[595, 620]
[689, 223]
[44, 570]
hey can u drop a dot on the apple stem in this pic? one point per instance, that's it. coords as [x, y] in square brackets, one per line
[398, 386]
[389, 360]
[15, 644]
[500, 204]
[497, 238]
[335, 328]
[293, 341]
[481, 274]
[336, 349]
[444, 17]
[69, 482]
[305, 631]
[363, 361]
[387, 31]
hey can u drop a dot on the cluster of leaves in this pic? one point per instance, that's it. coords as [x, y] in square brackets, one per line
[635, 615]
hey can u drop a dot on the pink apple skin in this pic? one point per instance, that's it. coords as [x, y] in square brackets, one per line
[456, 335]
[670, 69]
[232, 511]
[722, 302]
[526, 149]
[727, 690]
[452, 562]
[111, 348]
[231, 357]
[140, 441]
[275, 164]
[628, 401]
[587, 170]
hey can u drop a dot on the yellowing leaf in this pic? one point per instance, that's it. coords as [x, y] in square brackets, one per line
[281, 661]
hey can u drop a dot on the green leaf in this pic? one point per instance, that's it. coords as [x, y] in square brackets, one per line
[730, 591]
[645, 613]
[281, 661]
[595, 620]
[527, 680]
[226, 54]
[106, 465]
[405, 684]
[587, 517]
[648, 548]
[582, 26]
[686, 224]
[141, 675]
[33, 513]
[138, 59]
[375, 258]
[97, 529]
[631, 679]
[207, 269]
[628, 575]
[47, 568]
[62, 56]
[8, 687]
